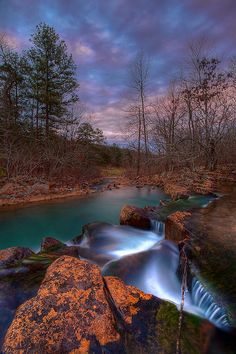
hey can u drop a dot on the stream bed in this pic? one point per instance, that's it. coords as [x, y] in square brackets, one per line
[140, 258]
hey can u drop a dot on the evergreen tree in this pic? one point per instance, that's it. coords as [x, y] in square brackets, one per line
[11, 86]
[88, 135]
[52, 78]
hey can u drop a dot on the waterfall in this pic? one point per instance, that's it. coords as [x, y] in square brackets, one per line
[158, 227]
[204, 301]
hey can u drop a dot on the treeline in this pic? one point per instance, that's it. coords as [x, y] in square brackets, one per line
[42, 128]
[193, 123]
[44, 131]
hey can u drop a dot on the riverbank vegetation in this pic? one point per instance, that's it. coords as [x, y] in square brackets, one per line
[44, 130]
[190, 124]
[47, 137]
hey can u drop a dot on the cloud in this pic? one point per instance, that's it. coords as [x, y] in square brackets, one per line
[104, 37]
[14, 41]
[83, 50]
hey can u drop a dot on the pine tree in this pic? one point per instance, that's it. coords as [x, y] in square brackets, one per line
[52, 77]
[10, 86]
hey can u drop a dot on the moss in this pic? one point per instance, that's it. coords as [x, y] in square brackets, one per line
[167, 331]
[2, 171]
[112, 172]
[34, 259]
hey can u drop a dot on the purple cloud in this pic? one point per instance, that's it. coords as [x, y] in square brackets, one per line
[104, 37]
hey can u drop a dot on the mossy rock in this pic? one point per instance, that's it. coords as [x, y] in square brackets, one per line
[192, 340]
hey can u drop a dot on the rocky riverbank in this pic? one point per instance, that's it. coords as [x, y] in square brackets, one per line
[77, 310]
[67, 306]
[183, 183]
[208, 237]
[19, 192]
[177, 184]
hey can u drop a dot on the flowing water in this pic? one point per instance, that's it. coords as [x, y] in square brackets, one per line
[145, 260]
[141, 258]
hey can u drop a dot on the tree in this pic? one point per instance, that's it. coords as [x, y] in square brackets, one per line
[139, 83]
[169, 114]
[86, 134]
[11, 80]
[208, 105]
[53, 83]
[137, 111]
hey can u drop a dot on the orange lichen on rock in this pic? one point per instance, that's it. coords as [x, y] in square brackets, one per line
[133, 216]
[174, 228]
[11, 256]
[72, 313]
[127, 298]
[175, 191]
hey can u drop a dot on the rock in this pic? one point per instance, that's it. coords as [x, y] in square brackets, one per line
[133, 216]
[176, 191]
[10, 257]
[174, 227]
[76, 310]
[8, 188]
[50, 244]
[53, 248]
[40, 188]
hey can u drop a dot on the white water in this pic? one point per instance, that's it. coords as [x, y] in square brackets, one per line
[116, 241]
[204, 301]
[144, 259]
[158, 227]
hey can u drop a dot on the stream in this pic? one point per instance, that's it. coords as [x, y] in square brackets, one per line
[140, 258]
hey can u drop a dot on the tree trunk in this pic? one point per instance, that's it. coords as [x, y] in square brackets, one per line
[139, 141]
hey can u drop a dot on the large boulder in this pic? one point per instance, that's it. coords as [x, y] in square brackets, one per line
[10, 257]
[136, 217]
[175, 229]
[77, 310]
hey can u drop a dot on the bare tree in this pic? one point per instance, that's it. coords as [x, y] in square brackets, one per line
[138, 109]
[139, 83]
[169, 113]
[206, 96]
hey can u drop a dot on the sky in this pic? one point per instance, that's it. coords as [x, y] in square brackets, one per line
[104, 37]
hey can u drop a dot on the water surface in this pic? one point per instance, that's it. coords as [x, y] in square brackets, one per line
[64, 219]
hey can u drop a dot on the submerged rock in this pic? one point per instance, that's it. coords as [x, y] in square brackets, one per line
[10, 257]
[136, 217]
[78, 310]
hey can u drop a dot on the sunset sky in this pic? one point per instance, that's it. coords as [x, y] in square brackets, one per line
[105, 35]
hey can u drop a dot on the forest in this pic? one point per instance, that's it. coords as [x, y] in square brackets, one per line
[45, 130]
